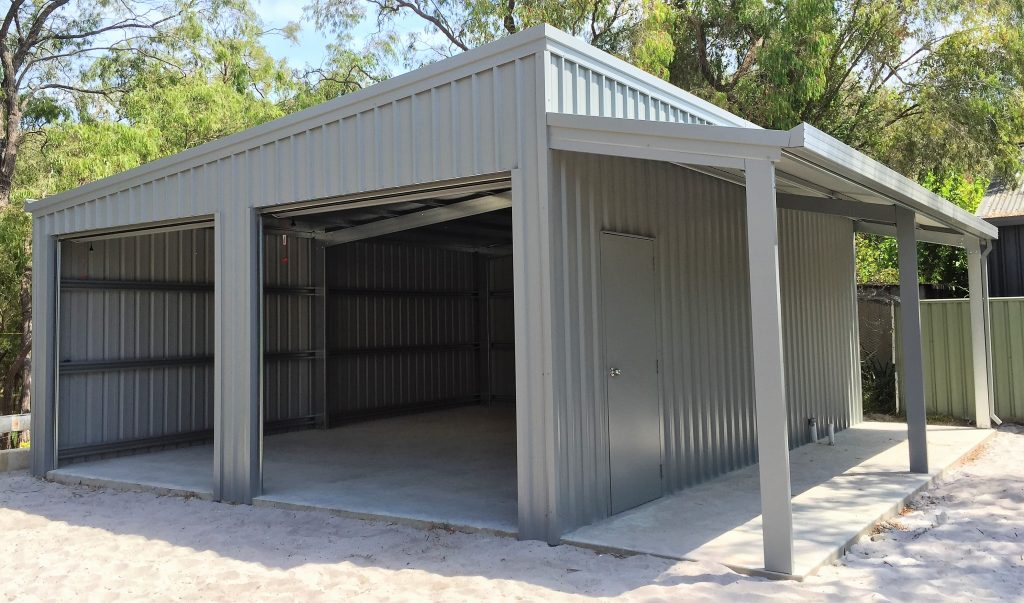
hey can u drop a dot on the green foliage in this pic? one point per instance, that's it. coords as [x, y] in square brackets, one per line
[879, 386]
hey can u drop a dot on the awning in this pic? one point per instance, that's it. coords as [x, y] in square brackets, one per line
[814, 171]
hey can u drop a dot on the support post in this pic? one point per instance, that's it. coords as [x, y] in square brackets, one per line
[45, 318]
[769, 375]
[910, 324]
[483, 327]
[979, 333]
[319, 330]
[238, 417]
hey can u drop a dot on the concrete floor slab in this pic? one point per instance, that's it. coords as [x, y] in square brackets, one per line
[839, 494]
[186, 471]
[454, 467]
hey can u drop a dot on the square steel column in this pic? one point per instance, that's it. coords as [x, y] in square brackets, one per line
[910, 325]
[769, 375]
[979, 333]
[238, 423]
[45, 289]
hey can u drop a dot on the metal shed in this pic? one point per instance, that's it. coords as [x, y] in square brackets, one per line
[658, 292]
[1003, 207]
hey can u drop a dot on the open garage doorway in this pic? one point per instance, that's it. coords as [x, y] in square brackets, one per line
[389, 363]
[135, 386]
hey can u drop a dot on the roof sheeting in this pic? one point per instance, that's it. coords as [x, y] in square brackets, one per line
[1001, 201]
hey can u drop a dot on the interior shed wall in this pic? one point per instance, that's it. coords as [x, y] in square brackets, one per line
[403, 329]
[706, 384]
[139, 299]
[289, 323]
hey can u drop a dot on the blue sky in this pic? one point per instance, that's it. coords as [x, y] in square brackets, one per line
[310, 48]
[278, 13]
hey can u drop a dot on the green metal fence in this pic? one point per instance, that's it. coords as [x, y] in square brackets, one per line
[948, 372]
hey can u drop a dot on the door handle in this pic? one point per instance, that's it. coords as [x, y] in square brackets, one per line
[614, 372]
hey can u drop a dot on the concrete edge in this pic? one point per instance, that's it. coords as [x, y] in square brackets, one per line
[422, 524]
[17, 459]
[898, 506]
[57, 477]
[838, 553]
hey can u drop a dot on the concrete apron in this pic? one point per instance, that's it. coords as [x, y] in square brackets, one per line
[17, 459]
[719, 521]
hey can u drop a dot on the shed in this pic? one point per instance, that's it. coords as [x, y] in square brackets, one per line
[524, 289]
[1003, 207]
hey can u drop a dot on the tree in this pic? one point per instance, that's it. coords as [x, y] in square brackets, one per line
[95, 87]
[44, 45]
[924, 86]
[453, 26]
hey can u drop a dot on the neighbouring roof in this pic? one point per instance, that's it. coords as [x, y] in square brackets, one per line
[1001, 201]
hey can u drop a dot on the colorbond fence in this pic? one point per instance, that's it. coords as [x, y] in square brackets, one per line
[949, 376]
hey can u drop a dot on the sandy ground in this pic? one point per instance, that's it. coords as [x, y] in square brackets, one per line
[962, 541]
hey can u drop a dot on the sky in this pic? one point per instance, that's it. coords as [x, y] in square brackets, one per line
[278, 13]
[310, 49]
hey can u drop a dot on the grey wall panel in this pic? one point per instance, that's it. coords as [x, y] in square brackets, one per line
[288, 328]
[102, 319]
[698, 225]
[601, 85]
[502, 329]
[581, 90]
[462, 122]
[819, 311]
[401, 326]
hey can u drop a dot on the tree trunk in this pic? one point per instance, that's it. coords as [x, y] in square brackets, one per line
[26, 341]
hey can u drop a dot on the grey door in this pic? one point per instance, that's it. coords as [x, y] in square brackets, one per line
[631, 370]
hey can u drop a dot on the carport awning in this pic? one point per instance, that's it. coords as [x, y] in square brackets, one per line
[814, 171]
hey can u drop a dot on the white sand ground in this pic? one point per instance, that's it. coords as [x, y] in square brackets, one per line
[963, 541]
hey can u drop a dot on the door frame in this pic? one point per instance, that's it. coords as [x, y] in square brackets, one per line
[603, 359]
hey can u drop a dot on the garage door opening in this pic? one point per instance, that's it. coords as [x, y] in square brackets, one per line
[135, 386]
[389, 358]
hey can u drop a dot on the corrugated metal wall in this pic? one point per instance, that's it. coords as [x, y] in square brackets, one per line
[580, 90]
[698, 225]
[502, 330]
[288, 324]
[1006, 263]
[948, 367]
[819, 320]
[145, 299]
[404, 330]
[462, 124]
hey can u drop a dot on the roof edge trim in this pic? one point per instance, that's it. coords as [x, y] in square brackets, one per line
[861, 169]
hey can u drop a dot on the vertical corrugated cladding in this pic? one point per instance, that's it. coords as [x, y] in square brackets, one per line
[119, 303]
[698, 225]
[502, 328]
[1007, 355]
[1006, 263]
[577, 89]
[819, 319]
[458, 123]
[287, 328]
[401, 327]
